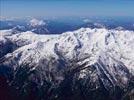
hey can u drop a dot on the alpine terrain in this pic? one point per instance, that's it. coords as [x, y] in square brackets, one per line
[85, 64]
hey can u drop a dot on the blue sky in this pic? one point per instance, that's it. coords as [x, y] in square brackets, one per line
[51, 8]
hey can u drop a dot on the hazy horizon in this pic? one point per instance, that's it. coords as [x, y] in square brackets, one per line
[63, 8]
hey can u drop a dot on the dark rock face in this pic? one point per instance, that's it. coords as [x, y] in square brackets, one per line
[27, 84]
[5, 48]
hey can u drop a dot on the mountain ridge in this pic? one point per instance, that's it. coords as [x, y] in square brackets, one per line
[77, 45]
[105, 57]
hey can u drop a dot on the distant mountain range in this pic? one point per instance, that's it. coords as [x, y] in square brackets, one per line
[60, 25]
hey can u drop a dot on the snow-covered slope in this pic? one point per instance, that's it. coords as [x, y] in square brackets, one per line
[109, 52]
[10, 41]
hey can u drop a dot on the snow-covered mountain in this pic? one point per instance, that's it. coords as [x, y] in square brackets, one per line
[38, 26]
[17, 26]
[105, 55]
[35, 22]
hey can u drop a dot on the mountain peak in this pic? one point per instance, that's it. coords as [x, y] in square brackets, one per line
[35, 22]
